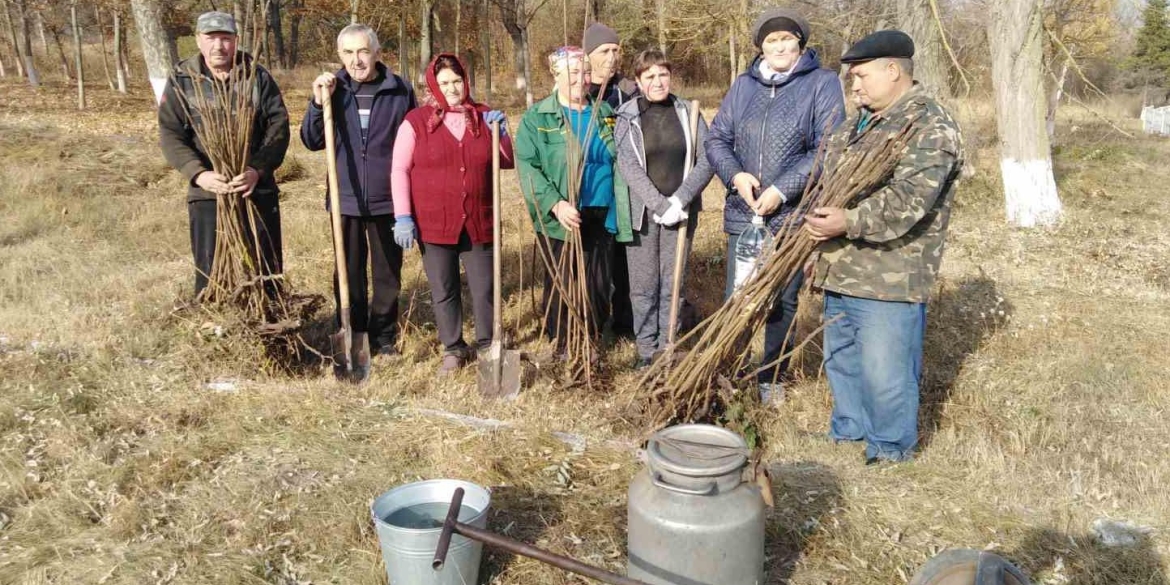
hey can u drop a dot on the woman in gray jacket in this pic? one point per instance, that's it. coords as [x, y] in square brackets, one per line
[654, 143]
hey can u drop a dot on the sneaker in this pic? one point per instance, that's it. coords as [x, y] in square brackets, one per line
[641, 363]
[771, 394]
[451, 363]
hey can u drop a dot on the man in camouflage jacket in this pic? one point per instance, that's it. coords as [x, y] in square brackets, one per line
[879, 257]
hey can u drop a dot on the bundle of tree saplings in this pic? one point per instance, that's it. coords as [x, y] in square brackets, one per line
[699, 384]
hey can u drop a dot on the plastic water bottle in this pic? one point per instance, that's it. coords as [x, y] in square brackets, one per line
[749, 247]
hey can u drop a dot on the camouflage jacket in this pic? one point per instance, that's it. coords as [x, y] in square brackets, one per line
[893, 242]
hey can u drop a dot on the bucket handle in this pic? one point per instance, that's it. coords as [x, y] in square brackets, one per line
[656, 479]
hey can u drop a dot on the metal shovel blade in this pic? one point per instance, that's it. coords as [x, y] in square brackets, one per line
[499, 372]
[351, 356]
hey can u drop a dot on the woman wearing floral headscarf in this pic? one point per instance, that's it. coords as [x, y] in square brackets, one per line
[602, 213]
[441, 180]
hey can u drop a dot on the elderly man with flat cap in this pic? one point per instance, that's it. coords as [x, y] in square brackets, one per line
[879, 258]
[603, 48]
[216, 36]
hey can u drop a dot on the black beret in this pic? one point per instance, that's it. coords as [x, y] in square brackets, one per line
[893, 44]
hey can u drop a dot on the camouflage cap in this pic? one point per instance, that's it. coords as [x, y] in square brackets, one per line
[210, 22]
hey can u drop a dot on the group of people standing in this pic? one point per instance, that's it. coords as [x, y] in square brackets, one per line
[422, 173]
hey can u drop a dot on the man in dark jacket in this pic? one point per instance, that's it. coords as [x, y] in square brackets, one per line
[216, 35]
[369, 103]
[603, 47]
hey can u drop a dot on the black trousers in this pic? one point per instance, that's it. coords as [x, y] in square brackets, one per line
[597, 243]
[623, 310]
[370, 240]
[777, 334]
[441, 262]
[202, 219]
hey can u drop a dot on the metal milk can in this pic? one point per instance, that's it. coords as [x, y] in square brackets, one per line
[693, 519]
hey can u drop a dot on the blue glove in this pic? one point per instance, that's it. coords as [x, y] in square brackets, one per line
[404, 231]
[497, 116]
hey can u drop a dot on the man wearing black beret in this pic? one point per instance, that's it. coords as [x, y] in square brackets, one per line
[880, 256]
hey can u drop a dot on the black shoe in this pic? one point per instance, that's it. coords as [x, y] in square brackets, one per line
[870, 461]
[387, 351]
[641, 363]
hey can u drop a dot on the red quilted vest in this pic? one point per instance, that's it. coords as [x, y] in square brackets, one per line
[450, 182]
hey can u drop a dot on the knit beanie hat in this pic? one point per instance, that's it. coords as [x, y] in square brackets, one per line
[598, 34]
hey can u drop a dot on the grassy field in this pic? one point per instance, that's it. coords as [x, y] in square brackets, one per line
[138, 446]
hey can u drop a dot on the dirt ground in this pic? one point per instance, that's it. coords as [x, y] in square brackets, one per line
[143, 443]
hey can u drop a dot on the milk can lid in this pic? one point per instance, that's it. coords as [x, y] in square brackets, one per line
[697, 450]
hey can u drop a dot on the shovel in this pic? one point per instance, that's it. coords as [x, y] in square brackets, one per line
[680, 250]
[499, 370]
[351, 351]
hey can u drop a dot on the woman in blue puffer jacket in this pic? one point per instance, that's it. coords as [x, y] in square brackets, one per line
[763, 143]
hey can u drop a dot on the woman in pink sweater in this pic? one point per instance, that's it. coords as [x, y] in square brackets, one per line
[441, 180]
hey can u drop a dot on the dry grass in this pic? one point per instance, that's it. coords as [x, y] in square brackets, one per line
[1045, 399]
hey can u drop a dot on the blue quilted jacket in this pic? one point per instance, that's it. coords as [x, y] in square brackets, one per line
[772, 129]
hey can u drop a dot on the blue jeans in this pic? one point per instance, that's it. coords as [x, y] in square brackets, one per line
[873, 358]
[777, 329]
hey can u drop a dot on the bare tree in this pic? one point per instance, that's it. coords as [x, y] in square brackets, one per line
[916, 18]
[487, 51]
[77, 56]
[516, 15]
[30, 68]
[425, 37]
[157, 48]
[1014, 32]
[13, 38]
[119, 51]
[277, 33]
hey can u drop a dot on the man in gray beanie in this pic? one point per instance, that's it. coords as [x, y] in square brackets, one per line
[603, 47]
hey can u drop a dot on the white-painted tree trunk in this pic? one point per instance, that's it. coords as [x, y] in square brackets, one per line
[156, 47]
[1014, 32]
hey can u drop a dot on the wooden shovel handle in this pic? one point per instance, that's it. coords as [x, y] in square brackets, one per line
[497, 295]
[335, 205]
[680, 249]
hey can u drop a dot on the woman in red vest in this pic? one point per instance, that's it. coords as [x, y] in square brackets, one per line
[441, 181]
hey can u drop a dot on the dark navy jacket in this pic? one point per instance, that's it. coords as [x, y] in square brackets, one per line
[772, 129]
[363, 169]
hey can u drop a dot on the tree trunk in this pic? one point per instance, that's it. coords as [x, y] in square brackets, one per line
[41, 32]
[30, 68]
[458, 22]
[277, 33]
[1014, 32]
[528, 98]
[237, 11]
[1054, 101]
[916, 18]
[510, 16]
[353, 11]
[97, 15]
[487, 52]
[403, 60]
[425, 38]
[596, 8]
[61, 54]
[77, 56]
[247, 33]
[731, 51]
[119, 52]
[294, 34]
[660, 9]
[12, 36]
[157, 49]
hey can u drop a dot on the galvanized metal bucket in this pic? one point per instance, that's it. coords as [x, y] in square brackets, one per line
[408, 520]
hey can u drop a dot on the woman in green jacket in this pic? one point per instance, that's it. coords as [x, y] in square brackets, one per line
[602, 211]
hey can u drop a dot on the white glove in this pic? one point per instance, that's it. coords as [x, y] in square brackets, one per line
[674, 214]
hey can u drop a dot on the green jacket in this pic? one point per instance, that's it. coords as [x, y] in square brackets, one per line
[893, 243]
[540, 158]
